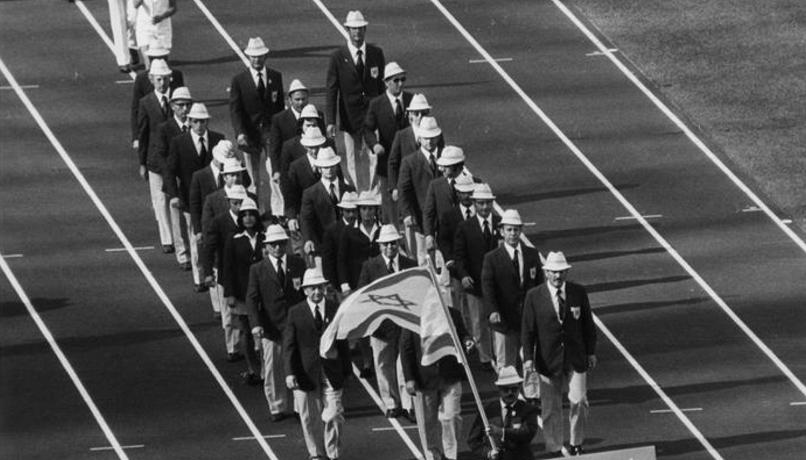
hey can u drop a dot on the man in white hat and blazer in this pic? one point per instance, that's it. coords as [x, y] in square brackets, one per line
[384, 340]
[206, 181]
[506, 274]
[474, 238]
[348, 210]
[317, 382]
[256, 94]
[358, 243]
[386, 115]
[285, 125]
[143, 85]
[513, 422]
[319, 201]
[559, 342]
[302, 173]
[293, 147]
[405, 141]
[274, 286]
[354, 77]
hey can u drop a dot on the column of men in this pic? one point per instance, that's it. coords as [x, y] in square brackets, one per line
[271, 286]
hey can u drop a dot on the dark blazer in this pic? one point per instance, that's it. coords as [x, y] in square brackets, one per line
[350, 92]
[284, 126]
[301, 175]
[374, 268]
[502, 289]
[221, 229]
[330, 252]
[446, 370]
[142, 86]
[318, 211]
[166, 131]
[469, 249]
[238, 257]
[412, 185]
[267, 301]
[354, 249]
[202, 183]
[557, 347]
[404, 144]
[381, 116]
[150, 116]
[183, 161]
[301, 349]
[290, 151]
[517, 439]
[441, 214]
[249, 114]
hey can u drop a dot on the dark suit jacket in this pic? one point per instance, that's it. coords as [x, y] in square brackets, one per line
[250, 115]
[301, 349]
[267, 301]
[290, 151]
[350, 92]
[183, 161]
[238, 257]
[202, 183]
[318, 211]
[441, 214]
[557, 347]
[150, 116]
[330, 252]
[404, 144]
[502, 289]
[517, 439]
[284, 127]
[381, 116]
[372, 269]
[354, 249]
[446, 370]
[412, 185]
[301, 175]
[166, 131]
[221, 229]
[142, 86]
[469, 249]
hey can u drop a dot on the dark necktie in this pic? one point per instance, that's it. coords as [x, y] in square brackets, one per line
[219, 180]
[166, 109]
[454, 198]
[333, 197]
[488, 236]
[469, 214]
[560, 306]
[391, 266]
[508, 417]
[433, 161]
[318, 322]
[359, 64]
[202, 148]
[280, 273]
[517, 266]
[261, 88]
[184, 129]
[398, 113]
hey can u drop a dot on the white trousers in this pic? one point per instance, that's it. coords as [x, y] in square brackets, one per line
[194, 248]
[119, 22]
[361, 162]
[231, 332]
[323, 404]
[385, 355]
[551, 401]
[277, 394]
[507, 348]
[168, 218]
[439, 420]
[476, 323]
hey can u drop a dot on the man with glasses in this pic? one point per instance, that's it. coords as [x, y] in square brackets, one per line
[385, 117]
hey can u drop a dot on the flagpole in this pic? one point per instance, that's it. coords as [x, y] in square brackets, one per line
[463, 358]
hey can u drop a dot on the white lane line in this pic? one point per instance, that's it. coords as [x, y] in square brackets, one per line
[645, 216]
[252, 438]
[539, 112]
[395, 424]
[798, 403]
[602, 53]
[99, 30]
[133, 446]
[6, 87]
[124, 82]
[12, 256]
[217, 25]
[626, 204]
[137, 260]
[136, 248]
[752, 209]
[677, 121]
[85, 395]
[668, 411]
[391, 428]
[483, 61]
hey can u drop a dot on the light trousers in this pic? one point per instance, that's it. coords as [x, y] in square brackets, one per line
[551, 394]
[277, 394]
[476, 323]
[121, 21]
[169, 220]
[506, 348]
[322, 404]
[194, 248]
[439, 420]
[231, 333]
[360, 161]
[385, 356]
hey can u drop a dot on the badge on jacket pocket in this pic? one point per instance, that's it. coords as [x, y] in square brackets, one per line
[297, 283]
[373, 71]
[533, 272]
[576, 311]
[274, 96]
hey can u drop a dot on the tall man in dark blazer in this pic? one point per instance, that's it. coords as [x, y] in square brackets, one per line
[256, 94]
[317, 382]
[142, 86]
[416, 173]
[354, 77]
[405, 141]
[358, 243]
[386, 116]
[506, 274]
[441, 213]
[348, 206]
[206, 181]
[474, 238]
[285, 125]
[274, 286]
[384, 341]
[559, 342]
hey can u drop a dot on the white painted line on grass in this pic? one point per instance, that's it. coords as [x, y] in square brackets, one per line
[85, 395]
[6, 87]
[12, 256]
[669, 411]
[752, 209]
[602, 53]
[137, 260]
[136, 248]
[217, 25]
[395, 424]
[391, 428]
[133, 446]
[483, 61]
[688, 132]
[626, 204]
[798, 403]
[99, 30]
[252, 438]
[646, 216]
[124, 82]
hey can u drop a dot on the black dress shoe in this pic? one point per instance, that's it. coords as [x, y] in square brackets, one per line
[201, 287]
[409, 415]
[575, 450]
[168, 249]
[125, 68]
[251, 379]
[394, 413]
[234, 357]
[134, 56]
